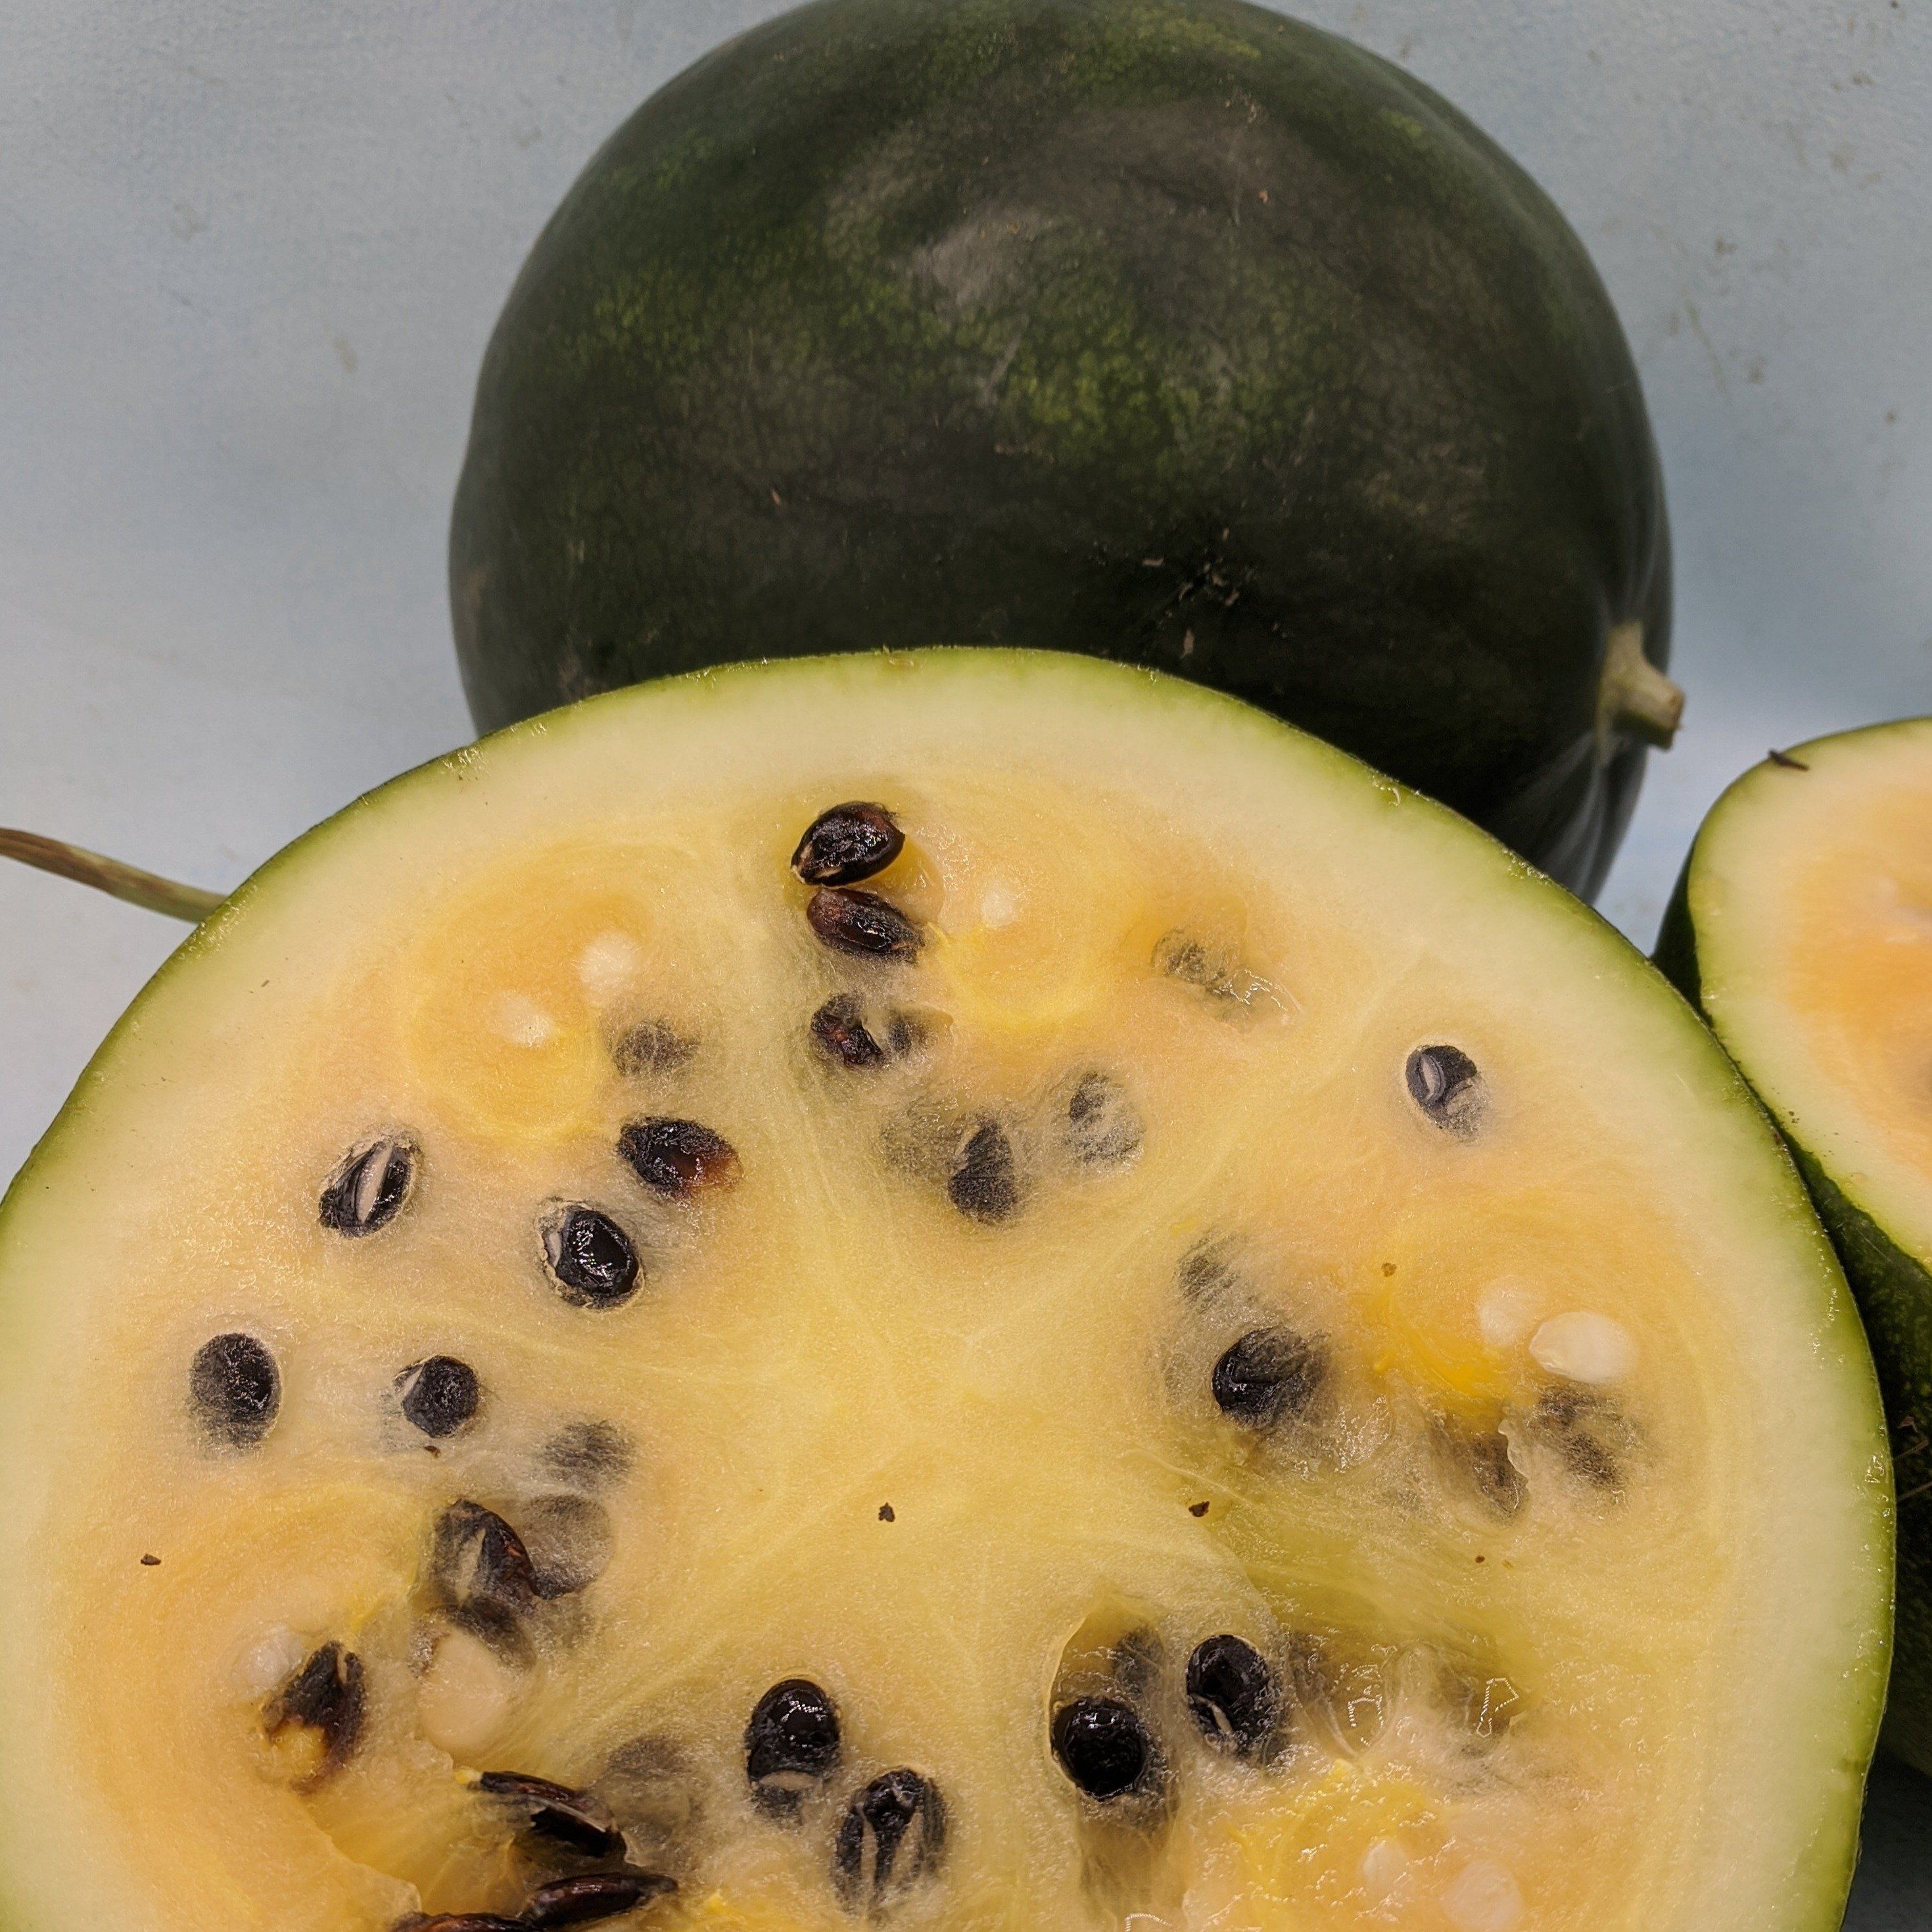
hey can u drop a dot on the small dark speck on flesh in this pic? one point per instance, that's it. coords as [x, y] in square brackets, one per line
[1789, 763]
[1197, 1509]
[886, 1514]
[1388, 1268]
[150, 1562]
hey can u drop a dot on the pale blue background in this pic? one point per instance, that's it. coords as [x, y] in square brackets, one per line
[249, 254]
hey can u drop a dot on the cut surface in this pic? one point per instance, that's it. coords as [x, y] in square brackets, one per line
[1143, 1344]
[1804, 931]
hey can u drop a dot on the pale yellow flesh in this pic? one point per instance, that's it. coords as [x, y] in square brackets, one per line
[1672, 1740]
[1815, 876]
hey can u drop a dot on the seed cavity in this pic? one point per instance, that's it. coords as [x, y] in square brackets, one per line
[1444, 1082]
[594, 1896]
[1341, 1689]
[846, 1035]
[1105, 1746]
[893, 1833]
[591, 1454]
[368, 1191]
[1232, 1695]
[1269, 1376]
[678, 1159]
[846, 843]
[654, 1048]
[1480, 1457]
[1219, 975]
[851, 921]
[1590, 1435]
[1103, 1126]
[326, 1700]
[590, 1258]
[234, 1389]
[791, 1743]
[578, 1819]
[439, 1395]
[984, 1183]
[568, 1538]
[653, 1790]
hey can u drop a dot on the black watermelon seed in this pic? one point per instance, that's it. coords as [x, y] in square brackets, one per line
[572, 1817]
[590, 1257]
[678, 1158]
[1104, 1747]
[479, 1559]
[440, 1395]
[847, 843]
[1103, 1127]
[791, 1742]
[458, 1921]
[235, 1389]
[892, 1831]
[850, 921]
[985, 1183]
[595, 1895]
[327, 1696]
[1444, 1082]
[1270, 1376]
[1232, 1695]
[839, 1031]
[651, 1048]
[368, 1191]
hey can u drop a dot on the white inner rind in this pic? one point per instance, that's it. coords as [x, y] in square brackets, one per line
[1709, 1745]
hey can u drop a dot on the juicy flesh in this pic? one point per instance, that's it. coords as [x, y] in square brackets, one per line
[1853, 957]
[950, 1451]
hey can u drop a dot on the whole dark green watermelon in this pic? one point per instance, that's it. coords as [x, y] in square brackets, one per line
[1168, 330]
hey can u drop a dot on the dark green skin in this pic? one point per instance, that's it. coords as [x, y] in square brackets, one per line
[1895, 1296]
[1167, 330]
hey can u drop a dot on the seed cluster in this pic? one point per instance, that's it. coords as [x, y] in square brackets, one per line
[496, 1580]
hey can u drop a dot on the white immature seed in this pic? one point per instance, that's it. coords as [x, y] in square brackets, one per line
[1584, 1347]
[1384, 1865]
[269, 1661]
[1505, 1312]
[607, 965]
[465, 1695]
[521, 1020]
[1483, 1898]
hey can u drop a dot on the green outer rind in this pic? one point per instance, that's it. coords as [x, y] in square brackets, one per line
[1171, 331]
[1822, 1868]
[1895, 1296]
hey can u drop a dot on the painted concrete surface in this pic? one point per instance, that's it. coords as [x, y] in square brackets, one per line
[250, 255]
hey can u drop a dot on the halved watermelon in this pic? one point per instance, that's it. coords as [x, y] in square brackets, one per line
[969, 1288]
[1802, 927]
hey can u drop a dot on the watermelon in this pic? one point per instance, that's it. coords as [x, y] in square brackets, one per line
[973, 1289]
[1169, 331]
[1802, 928]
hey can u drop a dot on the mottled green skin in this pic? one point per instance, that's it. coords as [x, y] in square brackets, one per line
[1168, 330]
[1893, 1289]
